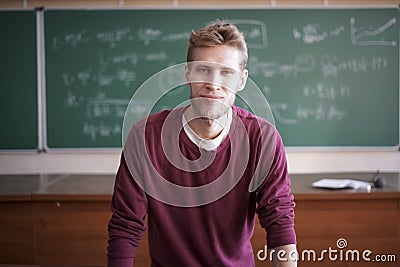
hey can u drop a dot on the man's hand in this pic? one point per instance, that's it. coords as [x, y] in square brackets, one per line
[284, 256]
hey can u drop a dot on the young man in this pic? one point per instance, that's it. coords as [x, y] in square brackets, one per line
[201, 173]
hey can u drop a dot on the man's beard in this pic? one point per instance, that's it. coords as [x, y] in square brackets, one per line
[212, 110]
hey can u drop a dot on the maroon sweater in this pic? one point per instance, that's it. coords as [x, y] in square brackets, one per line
[217, 232]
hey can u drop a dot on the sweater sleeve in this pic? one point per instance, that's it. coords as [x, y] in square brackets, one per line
[275, 203]
[127, 224]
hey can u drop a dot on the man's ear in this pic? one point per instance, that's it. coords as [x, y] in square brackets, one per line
[243, 79]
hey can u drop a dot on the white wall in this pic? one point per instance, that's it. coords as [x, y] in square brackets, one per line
[317, 162]
[107, 163]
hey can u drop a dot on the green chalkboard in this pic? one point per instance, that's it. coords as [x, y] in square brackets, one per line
[18, 81]
[331, 76]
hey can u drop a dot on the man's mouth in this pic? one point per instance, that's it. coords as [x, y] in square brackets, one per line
[212, 97]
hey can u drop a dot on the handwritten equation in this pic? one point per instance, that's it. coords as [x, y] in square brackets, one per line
[332, 65]
[101, 109]
[302, 64]
[321, 108]
[86, 77]
[328, 65]
[102, 130]
[301, 85]
[360, 35]
[311, 33]
[112, 38]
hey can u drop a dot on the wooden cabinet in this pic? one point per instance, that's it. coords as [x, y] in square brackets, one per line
[54, 232]
[52, 227]
[17, 243]
[349, 226]
[73, 231]
[61, 221]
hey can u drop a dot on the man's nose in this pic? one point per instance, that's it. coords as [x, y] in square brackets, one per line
[214, 81]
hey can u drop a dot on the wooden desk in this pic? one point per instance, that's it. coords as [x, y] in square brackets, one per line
[365, 220]
[58, 219]
[62, 219]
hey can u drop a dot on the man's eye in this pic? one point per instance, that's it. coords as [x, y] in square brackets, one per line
[204, 70]
[227, 72]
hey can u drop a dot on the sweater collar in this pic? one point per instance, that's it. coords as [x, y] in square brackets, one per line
[208, 144]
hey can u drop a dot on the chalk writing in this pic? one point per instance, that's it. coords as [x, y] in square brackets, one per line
[160, 56]
[102, 130]
[70, 39]
[128, 58]
[310, 33]
[73, 101]
[131, 58]
[83, 78]
[104, 106]
[311, 70]
[302, 64]
[176, 37]
[324, 109]
[372, 35]
[320, 112]
[326, 91]
[146, 35]
[332, 65]
[278, 109]
[113, 37]
[139, 110]
[255, 32]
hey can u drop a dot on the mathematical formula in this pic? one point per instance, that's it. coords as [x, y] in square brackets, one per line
[117, 71]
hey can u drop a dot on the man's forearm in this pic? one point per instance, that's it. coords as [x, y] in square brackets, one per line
[284, 256]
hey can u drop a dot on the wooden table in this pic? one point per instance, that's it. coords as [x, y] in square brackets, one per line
[62, 220]
[57, 219]
[366, 220]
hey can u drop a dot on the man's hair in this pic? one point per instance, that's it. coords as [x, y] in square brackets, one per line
[218, 33]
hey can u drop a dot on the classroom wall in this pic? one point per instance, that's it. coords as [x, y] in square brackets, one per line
[300, 161]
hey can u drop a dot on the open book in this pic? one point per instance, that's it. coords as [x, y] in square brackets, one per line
[341, 184]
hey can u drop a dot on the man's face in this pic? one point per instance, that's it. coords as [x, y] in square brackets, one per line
[214, 78]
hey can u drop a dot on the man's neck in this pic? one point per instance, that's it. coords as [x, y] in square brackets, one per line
[203, 127]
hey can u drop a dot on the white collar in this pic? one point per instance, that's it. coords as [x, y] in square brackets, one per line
[208, 144]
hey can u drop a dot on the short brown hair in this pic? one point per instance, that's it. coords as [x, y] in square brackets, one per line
[218, 33]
